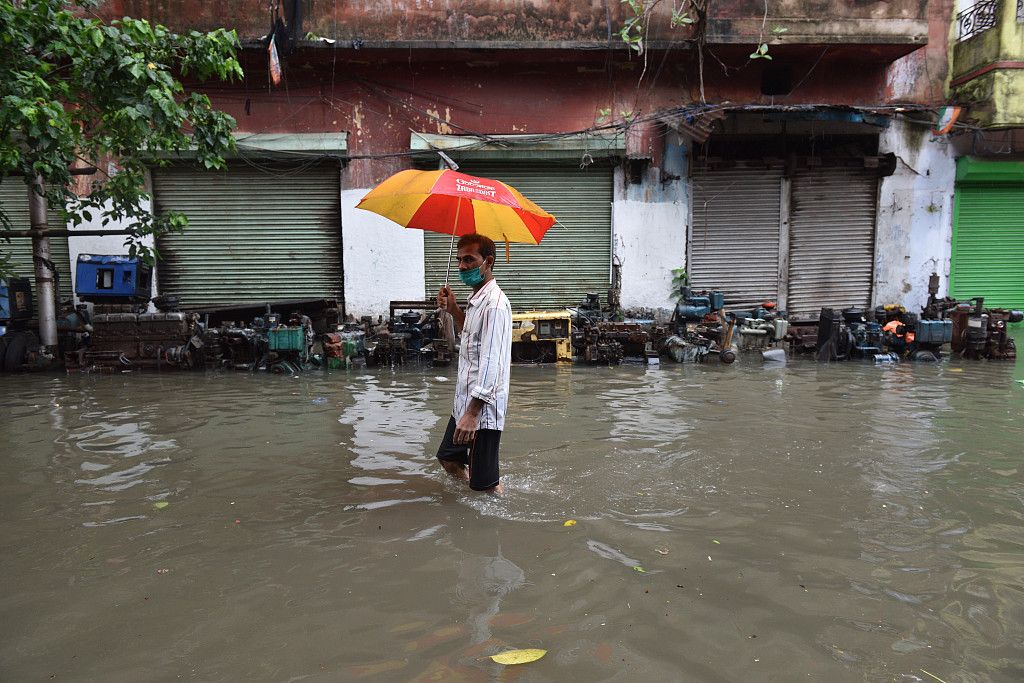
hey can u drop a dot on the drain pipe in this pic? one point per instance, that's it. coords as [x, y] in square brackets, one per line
[45, 294]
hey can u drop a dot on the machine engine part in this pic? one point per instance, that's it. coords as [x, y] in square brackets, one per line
[865, 334]
[980, 332]
[542, 337]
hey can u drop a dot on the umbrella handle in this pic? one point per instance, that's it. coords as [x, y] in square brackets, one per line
[451, 247]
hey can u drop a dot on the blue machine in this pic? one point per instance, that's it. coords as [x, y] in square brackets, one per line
[15, 301]
[934, 331]
[112, 279]
[694, 306]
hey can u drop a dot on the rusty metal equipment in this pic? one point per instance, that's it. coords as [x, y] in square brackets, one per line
[133, 341]
[422, 332]
[699, 327]
[980, 332]
[595, 349]
[542, 337]
[760, 329]
[599, 340]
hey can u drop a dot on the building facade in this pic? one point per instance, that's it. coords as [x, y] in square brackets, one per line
[810, 172]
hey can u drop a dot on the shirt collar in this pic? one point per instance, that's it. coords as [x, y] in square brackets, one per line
[478, 296]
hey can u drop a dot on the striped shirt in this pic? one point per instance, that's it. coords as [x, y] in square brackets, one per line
[485, 354]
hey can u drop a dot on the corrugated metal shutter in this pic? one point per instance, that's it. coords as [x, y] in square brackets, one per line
[988, 245]
[569, 262]
[255, 234]
[832, 240]
[14, 196]
[734, 238]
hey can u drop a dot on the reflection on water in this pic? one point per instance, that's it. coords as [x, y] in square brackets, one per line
[842, 522]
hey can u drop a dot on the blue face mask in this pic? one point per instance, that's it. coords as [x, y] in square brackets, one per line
[471, 277]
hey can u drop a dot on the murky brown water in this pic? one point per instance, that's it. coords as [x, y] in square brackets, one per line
[843, 522]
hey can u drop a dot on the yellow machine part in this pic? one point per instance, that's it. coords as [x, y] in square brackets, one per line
[545, 326]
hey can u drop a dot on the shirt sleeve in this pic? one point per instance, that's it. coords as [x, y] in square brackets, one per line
[495, 336]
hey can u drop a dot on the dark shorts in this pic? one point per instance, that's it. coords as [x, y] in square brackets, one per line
[481, 456]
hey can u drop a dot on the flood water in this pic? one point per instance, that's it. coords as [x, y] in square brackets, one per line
[841, 522]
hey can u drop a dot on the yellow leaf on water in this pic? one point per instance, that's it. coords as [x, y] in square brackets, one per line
[160, 504]
[518, 656]
[569, 522]
[640, 569]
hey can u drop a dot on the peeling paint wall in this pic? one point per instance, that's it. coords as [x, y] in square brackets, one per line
[915, 217]
[595, 22]
[923, 75]
[382, 261]
[649, 227]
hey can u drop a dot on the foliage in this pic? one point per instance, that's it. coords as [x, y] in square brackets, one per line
[634, 29]
[761, 52]
[680, 278]
[73, 88]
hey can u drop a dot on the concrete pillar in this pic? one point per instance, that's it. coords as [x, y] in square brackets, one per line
[45, 294]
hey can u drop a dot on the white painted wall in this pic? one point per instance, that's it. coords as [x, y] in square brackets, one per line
[649, 241]
[649, 227]
[111, 244]
[915, 216]
[383, 262]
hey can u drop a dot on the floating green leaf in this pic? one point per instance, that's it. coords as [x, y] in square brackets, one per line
[639, 569]
[160, 504]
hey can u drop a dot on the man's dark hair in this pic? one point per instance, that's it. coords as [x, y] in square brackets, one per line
[484, 244]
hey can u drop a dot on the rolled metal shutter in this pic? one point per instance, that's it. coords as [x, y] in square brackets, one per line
[831, 240]
[270, 233]
[988, 245]
[569, 262]
[734, 236]
[14, 196]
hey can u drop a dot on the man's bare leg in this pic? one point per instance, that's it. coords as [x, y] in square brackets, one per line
[456, 469]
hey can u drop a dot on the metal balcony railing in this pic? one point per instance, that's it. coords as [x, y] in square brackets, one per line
[978, 18]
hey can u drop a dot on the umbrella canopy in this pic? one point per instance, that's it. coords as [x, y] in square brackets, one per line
[457, 204]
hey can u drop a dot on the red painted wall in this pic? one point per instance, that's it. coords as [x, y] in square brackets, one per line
[379, 95]
[591, 21]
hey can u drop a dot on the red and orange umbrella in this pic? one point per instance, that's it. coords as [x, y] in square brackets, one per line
[457, 204]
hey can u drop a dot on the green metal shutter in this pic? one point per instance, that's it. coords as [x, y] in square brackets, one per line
[14, 196]
[831, 240]
[569, 262]
[988, 244]
[254, 234]
[734, 238]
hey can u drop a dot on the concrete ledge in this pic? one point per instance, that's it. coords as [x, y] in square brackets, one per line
[521, 146]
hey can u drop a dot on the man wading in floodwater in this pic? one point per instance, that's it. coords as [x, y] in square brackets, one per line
[469, 450]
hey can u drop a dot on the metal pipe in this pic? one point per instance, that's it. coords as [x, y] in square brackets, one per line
[88, 170]
[45, 295]
[63, 232]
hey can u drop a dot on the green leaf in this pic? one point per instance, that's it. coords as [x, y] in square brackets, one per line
[121, 78]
